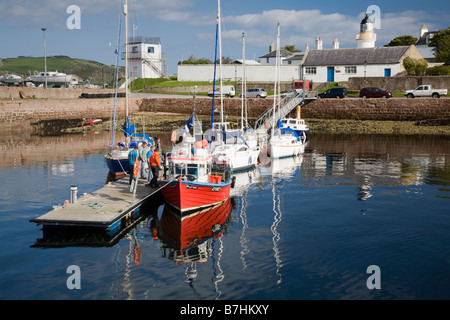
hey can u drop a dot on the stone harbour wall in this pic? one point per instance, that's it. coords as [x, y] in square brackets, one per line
[231, 106]
[397, 109]
[14, 93]
[18, 114]
[23, 114]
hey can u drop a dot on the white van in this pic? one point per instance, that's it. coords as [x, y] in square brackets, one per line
[227, 91]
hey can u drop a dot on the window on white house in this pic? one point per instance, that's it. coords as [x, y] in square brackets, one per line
[350, 69]
[311, 70]
[151, 50]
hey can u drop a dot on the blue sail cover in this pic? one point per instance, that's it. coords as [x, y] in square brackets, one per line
[294, 133]
[279, 123]
[128, 130]
[143, 137]
[286, 130]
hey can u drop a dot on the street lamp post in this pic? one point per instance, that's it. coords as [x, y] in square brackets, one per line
[45, 57]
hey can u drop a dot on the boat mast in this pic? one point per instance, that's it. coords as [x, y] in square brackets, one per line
[279, 72]
[113, 130]
[244, 86]
[220, 61]
[276, 79]
[125, 12]
[214, 83]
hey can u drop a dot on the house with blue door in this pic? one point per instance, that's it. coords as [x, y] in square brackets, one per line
[338, 65]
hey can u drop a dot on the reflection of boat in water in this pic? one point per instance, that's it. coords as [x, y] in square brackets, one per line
[242, 182]
[91, 122]
[281, 167]
[188, 239]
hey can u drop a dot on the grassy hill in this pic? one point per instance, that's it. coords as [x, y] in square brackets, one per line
[85, 69]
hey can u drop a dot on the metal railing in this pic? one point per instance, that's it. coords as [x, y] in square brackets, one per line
[288, 103]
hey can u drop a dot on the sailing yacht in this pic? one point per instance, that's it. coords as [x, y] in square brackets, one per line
[230, 145]
[198, 177]
[117, 159]
[283, 142]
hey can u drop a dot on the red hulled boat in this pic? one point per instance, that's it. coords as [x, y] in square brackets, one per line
[195, 181]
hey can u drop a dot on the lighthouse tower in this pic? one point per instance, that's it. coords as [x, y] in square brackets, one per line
[366, 37]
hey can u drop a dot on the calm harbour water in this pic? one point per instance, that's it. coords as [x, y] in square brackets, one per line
[303, 228]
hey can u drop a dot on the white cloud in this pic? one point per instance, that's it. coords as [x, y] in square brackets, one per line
[29, 12]
[299, 27]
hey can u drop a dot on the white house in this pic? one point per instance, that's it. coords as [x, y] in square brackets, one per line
[271, 57]
[427, 52]
[145, 58]
[335, 65]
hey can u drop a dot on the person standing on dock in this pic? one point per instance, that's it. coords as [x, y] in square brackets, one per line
[149, 155]
[155, 166]
[143, 158]
[132, 158]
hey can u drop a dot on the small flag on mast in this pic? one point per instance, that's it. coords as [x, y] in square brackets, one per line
[188, 125]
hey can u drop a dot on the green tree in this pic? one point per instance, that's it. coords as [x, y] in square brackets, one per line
[291, 48]
[402, 41]
[226, 60]
[441, 42]
[193, 60]
[439, 71]
[415, 67]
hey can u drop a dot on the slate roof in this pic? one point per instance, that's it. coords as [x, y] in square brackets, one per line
[283, 53]
[295, 56]
[423, 40]
[355, 56]
[248, 62]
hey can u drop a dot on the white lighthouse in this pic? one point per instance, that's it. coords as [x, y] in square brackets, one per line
[366, 37]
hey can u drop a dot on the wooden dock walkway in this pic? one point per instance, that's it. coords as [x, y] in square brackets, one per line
[102, 209]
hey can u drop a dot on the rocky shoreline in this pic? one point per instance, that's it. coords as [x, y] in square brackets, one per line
[166, 122]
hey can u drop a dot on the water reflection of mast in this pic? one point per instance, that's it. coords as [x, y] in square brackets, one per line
[240, 190]
[191, 274]
[220, 276]
[243, 238]
[115, 285]
[276, 234]
[126, 285]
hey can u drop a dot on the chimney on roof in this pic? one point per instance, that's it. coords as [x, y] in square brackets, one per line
[335, 43]
[271, 47]
[318, 43]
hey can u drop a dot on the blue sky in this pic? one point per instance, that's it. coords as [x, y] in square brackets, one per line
[187, 27]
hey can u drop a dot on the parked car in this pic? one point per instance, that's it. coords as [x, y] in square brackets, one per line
[227, 91]
[334, 93]
[425, 91]
[373, 92]
[255, 93]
